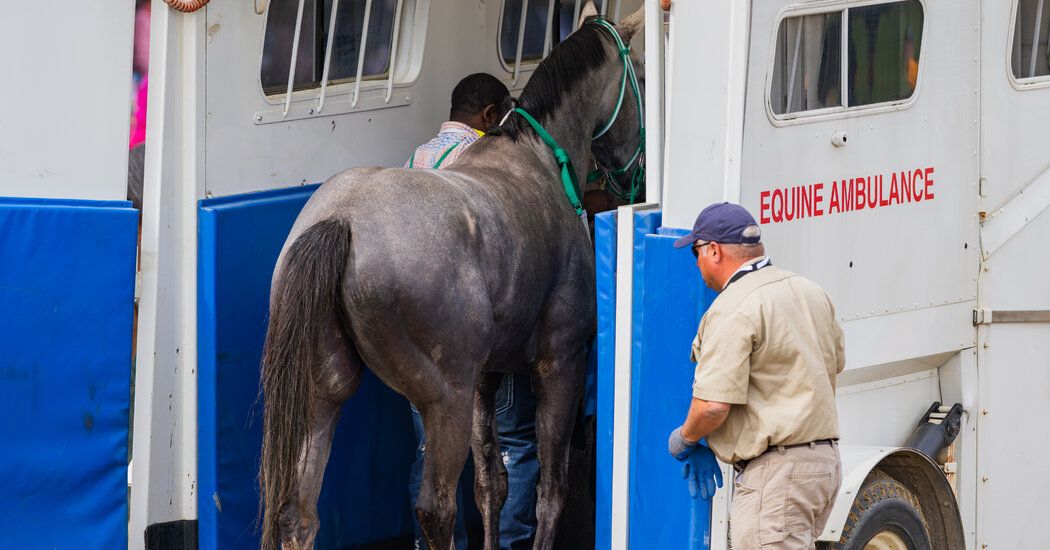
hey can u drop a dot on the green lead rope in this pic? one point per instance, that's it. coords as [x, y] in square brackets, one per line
[568, 173]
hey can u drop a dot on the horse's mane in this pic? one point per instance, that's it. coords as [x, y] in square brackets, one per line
[568, 63]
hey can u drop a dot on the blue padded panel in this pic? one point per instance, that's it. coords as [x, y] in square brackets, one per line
[67, 283]
[673, 298]
[365, 494]
[605, 268]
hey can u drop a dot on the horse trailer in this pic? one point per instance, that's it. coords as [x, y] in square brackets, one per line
[888, 148]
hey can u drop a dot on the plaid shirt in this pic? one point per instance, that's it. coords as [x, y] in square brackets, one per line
[451, 134]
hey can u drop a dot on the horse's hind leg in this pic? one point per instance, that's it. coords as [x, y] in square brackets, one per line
[556, 383]
[490, 475]
[446, 426]
[338, 379]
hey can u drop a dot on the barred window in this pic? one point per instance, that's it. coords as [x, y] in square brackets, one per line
[534, 35]
[882, 42]
[347, 43]
[1029, 54]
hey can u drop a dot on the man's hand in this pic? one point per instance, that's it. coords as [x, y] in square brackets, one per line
[679, 446]
[702, 471]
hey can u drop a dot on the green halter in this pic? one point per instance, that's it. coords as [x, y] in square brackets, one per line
[568, 173]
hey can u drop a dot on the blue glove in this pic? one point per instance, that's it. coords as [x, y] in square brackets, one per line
[678, 446]
[702, 471]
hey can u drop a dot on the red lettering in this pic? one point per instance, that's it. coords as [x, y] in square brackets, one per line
[790, 200]
[818, 196]
[861, 199]
[895, 196]
[848, 196]
[777, 210]
[872, 192]
[906, 186]
[833, 204]
[882, 200]
[805, 210]
[929, 183]
[915, 184]
[763, 208]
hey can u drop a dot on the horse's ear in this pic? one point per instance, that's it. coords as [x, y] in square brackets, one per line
[631, 24]
[588, 10]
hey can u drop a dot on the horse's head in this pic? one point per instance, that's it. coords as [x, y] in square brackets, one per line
[618, 143]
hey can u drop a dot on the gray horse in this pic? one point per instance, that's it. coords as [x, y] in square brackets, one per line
[440, 282]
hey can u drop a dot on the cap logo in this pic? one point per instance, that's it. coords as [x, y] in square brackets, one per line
[751, 232]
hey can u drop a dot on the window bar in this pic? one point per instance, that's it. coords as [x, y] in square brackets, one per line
[521, 41]
[616, 14]
[605, 7]
[1035, 37]
[576, 15]
[844, 59]
[794, 65]
[393, 51]
[550, 27]
[328, 56]
[361, 53]
[295, 57]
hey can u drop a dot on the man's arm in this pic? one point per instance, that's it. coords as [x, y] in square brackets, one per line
[704, 417]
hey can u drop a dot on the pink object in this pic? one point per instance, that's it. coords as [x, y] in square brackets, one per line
[138, 122]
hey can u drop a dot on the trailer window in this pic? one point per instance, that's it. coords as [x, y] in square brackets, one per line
[806, 72]
[1028, 56]
[881, 66]
[347, 43]
[534, 35]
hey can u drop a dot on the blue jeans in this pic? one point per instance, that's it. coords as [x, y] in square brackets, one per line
[516, 424]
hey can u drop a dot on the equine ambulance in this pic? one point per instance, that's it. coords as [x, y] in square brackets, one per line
[893, 152]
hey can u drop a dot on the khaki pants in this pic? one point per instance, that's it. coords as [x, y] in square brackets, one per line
[783, 498]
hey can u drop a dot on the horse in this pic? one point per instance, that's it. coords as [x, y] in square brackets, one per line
[442, 281]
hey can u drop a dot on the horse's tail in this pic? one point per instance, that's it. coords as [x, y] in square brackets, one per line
[304, 296]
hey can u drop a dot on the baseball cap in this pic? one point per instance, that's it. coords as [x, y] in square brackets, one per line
[723, 222]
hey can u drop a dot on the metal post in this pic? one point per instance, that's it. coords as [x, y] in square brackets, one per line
[361, 52]
[1035, 37]
[295, 57]
[550, 26]
[393, 51]
[521, 41]
[328, 55]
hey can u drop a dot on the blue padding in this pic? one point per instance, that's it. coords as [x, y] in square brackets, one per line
[672, 301]
[365, 493]
[605, 269]
[67, 284]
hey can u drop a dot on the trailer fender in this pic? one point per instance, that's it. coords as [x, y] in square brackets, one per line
[915, 471]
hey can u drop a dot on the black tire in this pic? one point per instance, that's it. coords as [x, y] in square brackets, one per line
[884, 506]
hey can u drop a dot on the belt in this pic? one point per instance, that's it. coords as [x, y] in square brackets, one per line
[741, 464]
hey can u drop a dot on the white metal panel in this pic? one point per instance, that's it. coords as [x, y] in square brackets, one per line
[705, 91]
[1014, 122]
[895, 258]
[1012, 446]
[164, 476]
[900, 402]
[65, 105]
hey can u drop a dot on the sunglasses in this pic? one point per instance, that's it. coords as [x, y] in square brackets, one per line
[696, 249]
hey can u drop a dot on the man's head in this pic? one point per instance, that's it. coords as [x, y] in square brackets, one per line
[724, 237]
[476, 101]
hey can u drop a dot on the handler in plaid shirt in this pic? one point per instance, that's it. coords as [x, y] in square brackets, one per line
[475, 108]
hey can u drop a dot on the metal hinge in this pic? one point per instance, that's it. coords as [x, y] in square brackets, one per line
[138, 286]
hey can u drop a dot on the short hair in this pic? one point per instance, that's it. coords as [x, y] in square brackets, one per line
[744, 251]
[475, 92]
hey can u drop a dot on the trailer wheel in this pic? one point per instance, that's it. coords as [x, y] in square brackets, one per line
[884, 516]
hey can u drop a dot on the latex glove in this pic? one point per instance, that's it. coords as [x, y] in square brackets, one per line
[678, 446]
[702, 472]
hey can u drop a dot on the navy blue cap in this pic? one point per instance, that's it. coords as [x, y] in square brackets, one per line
[725, 223]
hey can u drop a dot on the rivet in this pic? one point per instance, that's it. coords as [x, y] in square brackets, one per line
[984, 412]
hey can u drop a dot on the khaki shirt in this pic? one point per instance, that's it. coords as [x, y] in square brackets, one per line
[770, 346]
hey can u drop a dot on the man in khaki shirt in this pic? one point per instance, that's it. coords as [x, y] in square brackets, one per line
[767, 352]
